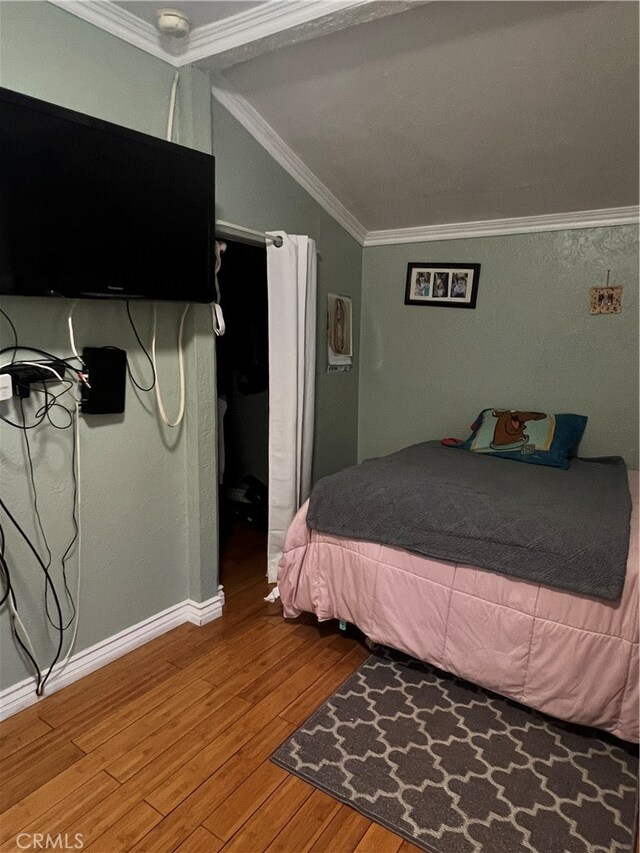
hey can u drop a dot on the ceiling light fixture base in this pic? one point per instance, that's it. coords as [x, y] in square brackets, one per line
[171, 22]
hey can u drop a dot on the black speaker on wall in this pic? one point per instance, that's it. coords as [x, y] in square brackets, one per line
[106, 369]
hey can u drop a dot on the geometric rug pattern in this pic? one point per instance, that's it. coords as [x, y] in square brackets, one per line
[457, 769]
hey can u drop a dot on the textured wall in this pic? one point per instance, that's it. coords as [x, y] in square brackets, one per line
[531, 342]
[149, 504]
[148, 493]
[254, 191]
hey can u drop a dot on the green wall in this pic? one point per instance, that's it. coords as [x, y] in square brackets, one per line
[531, 342]
[148, 493]
[149, 502]
[254, 191]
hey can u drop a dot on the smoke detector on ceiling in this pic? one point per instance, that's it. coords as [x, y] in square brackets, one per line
[171, 22]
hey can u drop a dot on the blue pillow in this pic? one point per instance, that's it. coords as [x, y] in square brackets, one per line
[535, 437]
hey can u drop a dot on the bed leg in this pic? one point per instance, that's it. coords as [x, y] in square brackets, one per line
[342, 625]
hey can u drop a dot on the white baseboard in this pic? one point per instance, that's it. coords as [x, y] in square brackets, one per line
[23, 694]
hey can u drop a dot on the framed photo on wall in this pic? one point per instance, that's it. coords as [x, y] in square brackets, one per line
[444, 285]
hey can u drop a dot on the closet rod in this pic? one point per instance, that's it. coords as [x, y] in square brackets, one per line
[277, 241]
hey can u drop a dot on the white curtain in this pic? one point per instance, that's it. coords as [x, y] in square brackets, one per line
[291, 276]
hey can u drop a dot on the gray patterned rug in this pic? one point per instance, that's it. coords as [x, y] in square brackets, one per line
[456, 769]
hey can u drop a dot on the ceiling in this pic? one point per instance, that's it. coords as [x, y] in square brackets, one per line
[412, 115]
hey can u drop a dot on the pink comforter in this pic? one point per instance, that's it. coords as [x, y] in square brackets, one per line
[568, 655]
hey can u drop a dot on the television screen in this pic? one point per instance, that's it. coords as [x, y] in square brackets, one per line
[91, 209]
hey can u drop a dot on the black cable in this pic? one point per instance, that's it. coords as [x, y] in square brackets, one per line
[41, 686]
[7, 579]
[48, 406]
[76, 526]
[48, 580]
[41, 414]
[13, 329]
[6, 595]
[67, 361]
[32, 478]
[19, 426]
[142, 347]
[44, 411]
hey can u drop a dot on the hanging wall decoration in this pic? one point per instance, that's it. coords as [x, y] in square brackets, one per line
[339, 333]
[606, 300]
[442, 285]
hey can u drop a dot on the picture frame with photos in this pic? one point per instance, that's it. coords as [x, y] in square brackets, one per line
[447, 285]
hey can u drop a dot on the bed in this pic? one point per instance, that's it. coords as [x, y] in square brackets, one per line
[565, 653]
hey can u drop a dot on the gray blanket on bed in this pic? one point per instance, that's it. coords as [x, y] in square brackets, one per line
[566, 529]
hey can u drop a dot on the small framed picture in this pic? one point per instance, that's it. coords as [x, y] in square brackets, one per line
[339, 331]
[445, 285]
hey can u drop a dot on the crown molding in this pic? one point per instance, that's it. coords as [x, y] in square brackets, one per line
[261, 22]
[276, 16]
[117, 21]
[501, 227]
[223, 36]
[263, 133]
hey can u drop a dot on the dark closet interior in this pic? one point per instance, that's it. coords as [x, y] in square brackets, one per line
[243, 387]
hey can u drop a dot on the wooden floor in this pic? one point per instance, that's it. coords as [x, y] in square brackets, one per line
[168, 747]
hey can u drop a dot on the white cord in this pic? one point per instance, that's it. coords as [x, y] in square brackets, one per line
[72, 339]
[217, 317]
[161, 410]
[217, 320]
[61, 665]
[16, 618]
[172, 106]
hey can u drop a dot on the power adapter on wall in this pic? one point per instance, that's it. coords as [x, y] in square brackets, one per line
[106, 370]
[6, 387]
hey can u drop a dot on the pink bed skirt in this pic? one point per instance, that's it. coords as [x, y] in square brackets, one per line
[568, 655]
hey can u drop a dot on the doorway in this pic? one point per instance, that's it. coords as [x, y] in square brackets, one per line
[243, 391]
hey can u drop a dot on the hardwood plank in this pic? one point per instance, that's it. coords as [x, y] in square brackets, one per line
[68, 810]
[18, 732]
[344, 832]
[195, 720]
[18, 786]
[103, 816]
[245, 629]
[121, 670]
[377, 839]
[126, 743]
[195, 808]
[185, 733]
[407, 847]
[180, 732]
[48, 795]
[174, 761]
[267, 821]
[286, 666]
[94, 703]
[307, 824]
[215, 665]
[232, 812]
[134, 710]
[170, 793]
[318, 692]
[200, 841]
[31, 754]
[123, 834]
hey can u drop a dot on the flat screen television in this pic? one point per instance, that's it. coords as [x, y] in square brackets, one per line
[91, 209]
